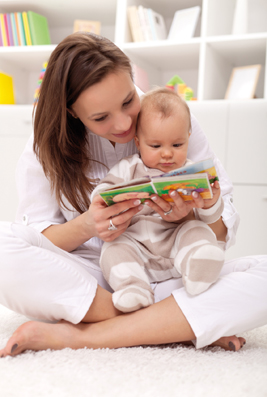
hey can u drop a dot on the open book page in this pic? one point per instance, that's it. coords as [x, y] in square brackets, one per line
[201, 166]
[184, 185]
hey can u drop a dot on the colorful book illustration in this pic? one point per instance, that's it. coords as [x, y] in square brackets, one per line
[26, 28]
[38, 27]
[185, 180]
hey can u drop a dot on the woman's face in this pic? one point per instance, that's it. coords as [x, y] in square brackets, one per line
[110, 108]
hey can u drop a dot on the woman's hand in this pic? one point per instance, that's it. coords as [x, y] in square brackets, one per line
[100, 217]
[178, 210]
[216, 190]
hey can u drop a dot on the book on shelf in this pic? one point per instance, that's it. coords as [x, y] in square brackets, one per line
[14, 29]
[23, 28]
[9, 29]
[87, 26]
[185, 180]
[134, 23]
[184, 24]
[146, 24]
[157, 25]
[18, 28]
[3, 30]
[38, 29]
[6, 30]
[26, 28]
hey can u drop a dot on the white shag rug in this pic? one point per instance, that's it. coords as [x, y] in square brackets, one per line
[169, 370]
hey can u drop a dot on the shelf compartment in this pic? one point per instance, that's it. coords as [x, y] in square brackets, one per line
[61, 14]
[224, 54]
[123, 34]
[24, 64]
[220, 16]
[164, 59]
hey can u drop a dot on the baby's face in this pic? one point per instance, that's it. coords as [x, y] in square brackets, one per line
[163, 142]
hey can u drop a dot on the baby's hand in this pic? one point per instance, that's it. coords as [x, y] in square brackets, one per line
[216, 190]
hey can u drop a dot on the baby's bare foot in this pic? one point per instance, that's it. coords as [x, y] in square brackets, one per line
[42, 336]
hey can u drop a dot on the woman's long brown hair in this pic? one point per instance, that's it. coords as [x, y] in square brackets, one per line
[60, 140]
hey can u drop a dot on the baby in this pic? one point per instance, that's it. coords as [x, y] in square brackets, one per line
[153, 249]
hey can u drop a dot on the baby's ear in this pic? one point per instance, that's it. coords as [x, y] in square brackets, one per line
[136, 140]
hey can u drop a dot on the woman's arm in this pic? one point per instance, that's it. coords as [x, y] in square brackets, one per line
[93, 223]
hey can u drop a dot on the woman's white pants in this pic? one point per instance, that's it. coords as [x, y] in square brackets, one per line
[41, 281]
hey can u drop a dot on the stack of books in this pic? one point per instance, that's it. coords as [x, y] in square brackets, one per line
[146, 24]
[23, 28]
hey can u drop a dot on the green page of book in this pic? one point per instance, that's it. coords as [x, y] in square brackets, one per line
[38, 28]
[142, 192]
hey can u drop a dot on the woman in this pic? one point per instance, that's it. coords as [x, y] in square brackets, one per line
[84, 123]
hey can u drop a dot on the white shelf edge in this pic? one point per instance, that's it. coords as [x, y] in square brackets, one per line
[231, 37]
[27, 49]
[160, 43]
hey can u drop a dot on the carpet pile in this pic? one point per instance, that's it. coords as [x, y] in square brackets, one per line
[167, 371]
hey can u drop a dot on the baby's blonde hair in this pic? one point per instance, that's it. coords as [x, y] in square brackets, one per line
[164, 102]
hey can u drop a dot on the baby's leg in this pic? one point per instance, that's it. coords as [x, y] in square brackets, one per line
[199, 259]
[123, 267]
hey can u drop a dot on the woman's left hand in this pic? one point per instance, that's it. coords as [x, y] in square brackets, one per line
[216, 190]
[177, 210]
[180, 210]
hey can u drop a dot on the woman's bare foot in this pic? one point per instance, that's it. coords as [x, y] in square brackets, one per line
[233, 343]
[42, 336]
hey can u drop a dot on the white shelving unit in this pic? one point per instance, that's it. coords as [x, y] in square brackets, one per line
[205, 62]
[237, 130]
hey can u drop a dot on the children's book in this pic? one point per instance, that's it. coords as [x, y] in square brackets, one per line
[26, 28]
[6, 30]
[14, 29]
[185, 180]
[21, 29]
[9, 29]
[38, 29]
